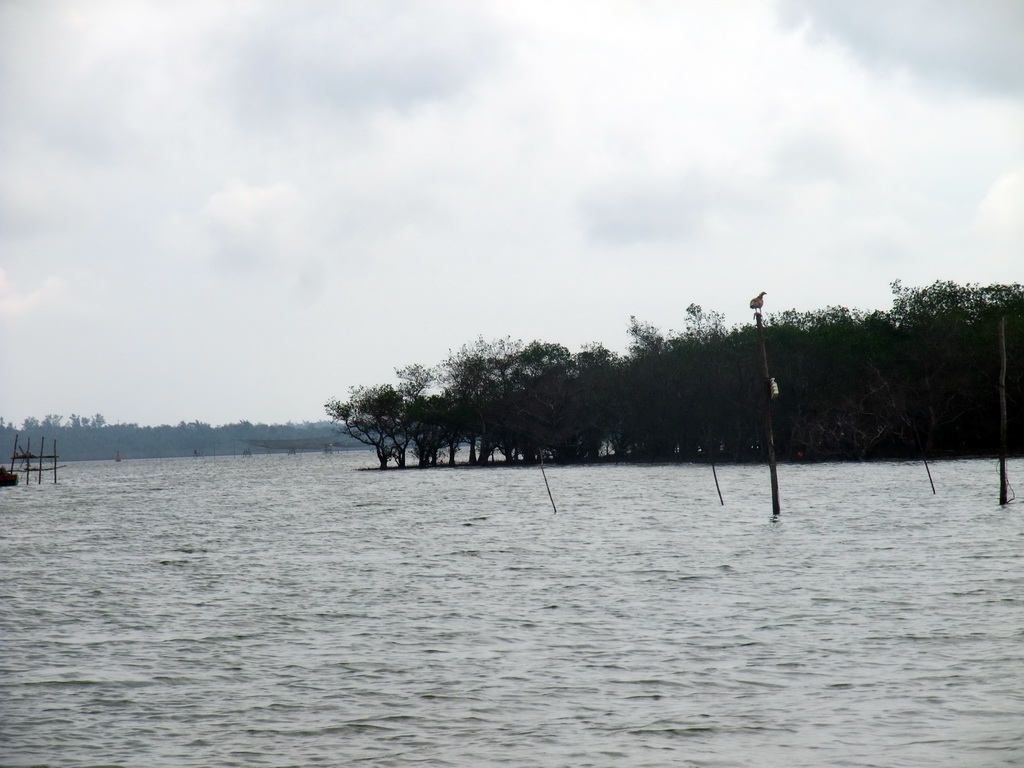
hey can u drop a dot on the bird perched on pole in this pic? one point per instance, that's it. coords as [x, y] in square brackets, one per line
[757, 302]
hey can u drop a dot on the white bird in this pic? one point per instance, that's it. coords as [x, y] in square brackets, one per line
[758, 301]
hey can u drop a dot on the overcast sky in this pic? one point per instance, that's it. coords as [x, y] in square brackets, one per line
[228, 210]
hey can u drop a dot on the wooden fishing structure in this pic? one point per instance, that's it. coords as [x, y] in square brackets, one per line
[24, 461]
[293, 446]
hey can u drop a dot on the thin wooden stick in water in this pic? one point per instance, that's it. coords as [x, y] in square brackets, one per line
[929, 471]
[717, 488]
[545, 474]
[711, 460]
[924, 458]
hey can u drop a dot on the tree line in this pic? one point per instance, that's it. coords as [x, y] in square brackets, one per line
[918, 378]
[91, 437]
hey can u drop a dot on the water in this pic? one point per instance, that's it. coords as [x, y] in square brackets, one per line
[292, 611]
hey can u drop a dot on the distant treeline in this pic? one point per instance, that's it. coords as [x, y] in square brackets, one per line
[921, 377]
[84, 438]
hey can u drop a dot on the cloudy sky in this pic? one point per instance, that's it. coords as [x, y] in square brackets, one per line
[234, 209]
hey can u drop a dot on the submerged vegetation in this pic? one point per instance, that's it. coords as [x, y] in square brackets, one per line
[920, 377]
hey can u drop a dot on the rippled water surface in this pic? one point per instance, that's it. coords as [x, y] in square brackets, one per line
[293, 611]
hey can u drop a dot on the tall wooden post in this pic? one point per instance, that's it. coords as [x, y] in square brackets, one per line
[1003, 484]
[769, 434]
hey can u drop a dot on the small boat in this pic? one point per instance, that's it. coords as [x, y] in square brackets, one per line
[8, 478]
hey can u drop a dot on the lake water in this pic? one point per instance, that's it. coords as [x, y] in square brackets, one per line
[293, 611]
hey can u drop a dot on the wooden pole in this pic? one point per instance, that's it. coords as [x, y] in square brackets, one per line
[717, 487]
[39, 471]
[924, 457]
[55, 460]
[545, 474]
[1003, 483]
[15, 453]
[769, 434]
[711, 459]
[928, 470]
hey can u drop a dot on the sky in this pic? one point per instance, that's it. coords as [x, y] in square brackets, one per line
[237, 209]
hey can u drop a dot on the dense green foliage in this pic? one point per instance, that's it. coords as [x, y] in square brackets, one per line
[855, 385]
[83, 438]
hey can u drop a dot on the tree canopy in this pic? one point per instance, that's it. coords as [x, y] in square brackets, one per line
[855, 385]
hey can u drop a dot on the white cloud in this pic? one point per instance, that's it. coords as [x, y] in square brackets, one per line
[350, 57]
[628, 211]
[252, 228]
[814, 158]
[15, 303]
[1000, 219]
[969, 45]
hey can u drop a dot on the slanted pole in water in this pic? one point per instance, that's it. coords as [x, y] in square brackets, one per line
[769, 434]
[1003, 482]
[924, 457]
[711, 460]
[717, 487]
[545, 474]
[929, 471]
